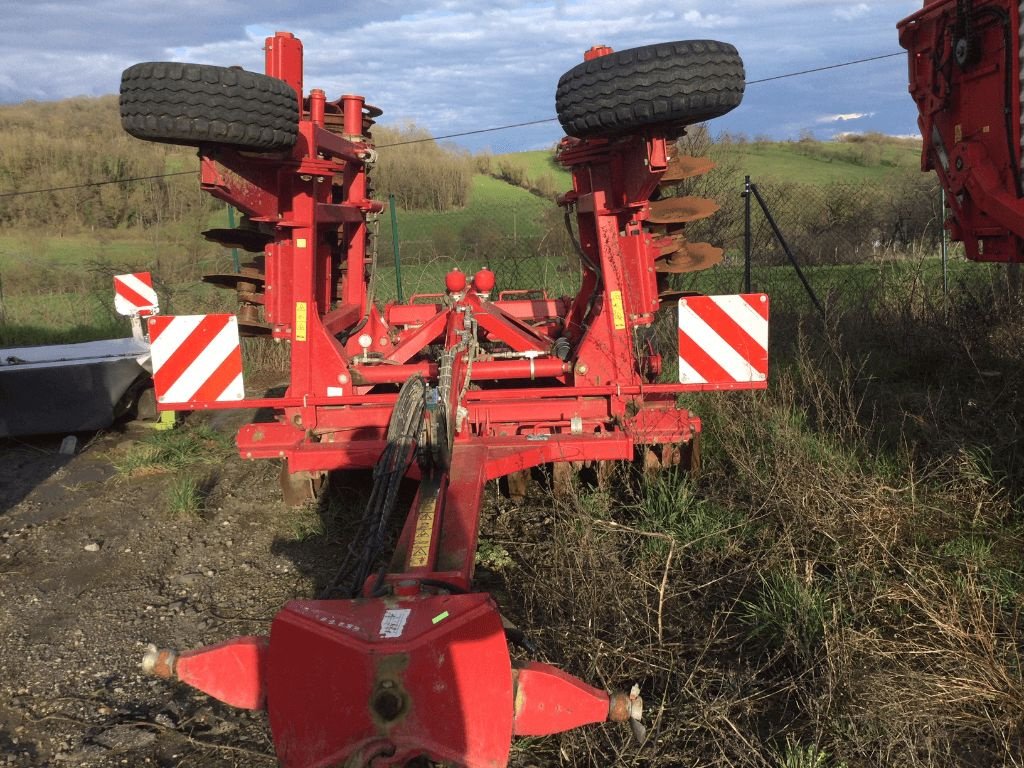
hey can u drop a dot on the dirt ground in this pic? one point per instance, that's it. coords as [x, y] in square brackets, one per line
[93, 567]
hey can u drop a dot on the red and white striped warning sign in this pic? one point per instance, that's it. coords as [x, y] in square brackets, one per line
[723, 340]
[134, 295]
[196, 358]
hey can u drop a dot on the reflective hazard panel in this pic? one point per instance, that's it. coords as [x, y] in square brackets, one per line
[723, 341]
[134, 295]
[196, 358]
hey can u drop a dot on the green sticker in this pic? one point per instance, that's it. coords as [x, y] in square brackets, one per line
[440, 617]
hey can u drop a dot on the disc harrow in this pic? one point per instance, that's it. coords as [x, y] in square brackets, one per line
[408, 664]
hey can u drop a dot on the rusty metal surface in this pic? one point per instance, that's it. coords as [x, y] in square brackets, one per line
[159, 662]
[680, 210]
[690, 257]
[683, 167]
[619, 707]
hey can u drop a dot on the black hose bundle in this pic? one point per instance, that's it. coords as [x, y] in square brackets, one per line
[368, 543]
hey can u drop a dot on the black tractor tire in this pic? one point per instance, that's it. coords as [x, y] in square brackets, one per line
[201, 105]
[661, 85]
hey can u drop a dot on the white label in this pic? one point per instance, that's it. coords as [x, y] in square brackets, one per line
[393, 623]
[335, 391]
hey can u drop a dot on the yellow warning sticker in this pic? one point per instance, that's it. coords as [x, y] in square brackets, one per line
[420, 554]
[300, 242]
[618, 313]
[300, 321]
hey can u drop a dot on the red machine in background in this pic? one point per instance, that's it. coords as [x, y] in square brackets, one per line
[965, 75]
[401, 661]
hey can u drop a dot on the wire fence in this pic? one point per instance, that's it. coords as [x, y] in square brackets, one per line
[855, 244]
[837, 233]
[860, 254]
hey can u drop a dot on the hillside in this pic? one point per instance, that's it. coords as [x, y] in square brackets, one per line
[871, 158]
[453, 208]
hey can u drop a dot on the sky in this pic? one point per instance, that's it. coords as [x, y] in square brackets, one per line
[453, 65]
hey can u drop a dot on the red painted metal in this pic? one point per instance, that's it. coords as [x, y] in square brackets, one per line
[232, 671]
[455, 281]
[419, 666]
[965, 70]
[383, 681]
[548, 701]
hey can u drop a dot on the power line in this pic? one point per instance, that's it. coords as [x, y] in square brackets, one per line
[448, 135]
[95, 184]
[552, 119]
[822, 69]
[469, 133]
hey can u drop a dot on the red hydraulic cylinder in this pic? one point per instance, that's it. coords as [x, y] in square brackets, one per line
[283, 60]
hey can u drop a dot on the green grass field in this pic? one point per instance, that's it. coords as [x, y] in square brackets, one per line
[56, 287]
[870, 160]
[494, 203]
[539, 162]
[823, 162]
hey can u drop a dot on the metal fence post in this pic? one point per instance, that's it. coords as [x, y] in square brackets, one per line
[394, 247]
[785, 247]
[746, 234]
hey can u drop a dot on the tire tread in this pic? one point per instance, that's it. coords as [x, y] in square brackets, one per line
[664, 84]
[198, 104]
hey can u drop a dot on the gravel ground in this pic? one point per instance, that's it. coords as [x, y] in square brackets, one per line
[93, 566]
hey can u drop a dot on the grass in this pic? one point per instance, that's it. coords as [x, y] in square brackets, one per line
[788, 611]
[174, 450]
[494, 206]
[184, 496]
[823, 162]
[797, 755]
[669, 503]
[306, 522]
[538, 163]
[867, 609]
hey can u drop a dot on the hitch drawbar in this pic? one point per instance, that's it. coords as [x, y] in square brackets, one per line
[387, 681]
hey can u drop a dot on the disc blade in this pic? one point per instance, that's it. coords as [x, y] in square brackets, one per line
[668, 244]
[690, 257]
[665, 229]
[666, 297]
[680, 210]
[683, 167]
[246, 239]
[254, 328]
[249, 282]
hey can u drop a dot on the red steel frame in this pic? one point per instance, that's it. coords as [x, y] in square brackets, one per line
[969, 119]
[536, 380]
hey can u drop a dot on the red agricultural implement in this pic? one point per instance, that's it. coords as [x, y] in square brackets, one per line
[966, 78]
[403, 663]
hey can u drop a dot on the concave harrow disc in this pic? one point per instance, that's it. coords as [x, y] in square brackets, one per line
[690, 257]
[680, 210]
[682, 167]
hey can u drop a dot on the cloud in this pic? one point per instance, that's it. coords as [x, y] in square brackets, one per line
[456, 65]
[709, 20]
[844, 117]
[852, 12]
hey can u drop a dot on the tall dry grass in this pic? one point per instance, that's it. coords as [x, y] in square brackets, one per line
[843, 584]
